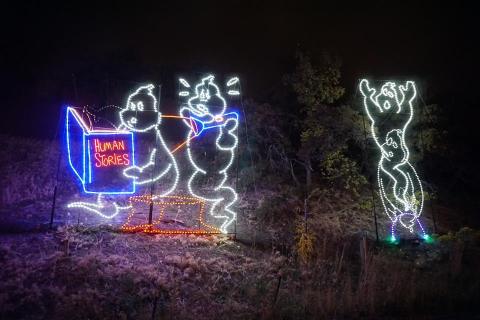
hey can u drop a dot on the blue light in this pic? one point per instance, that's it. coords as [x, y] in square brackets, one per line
[89, 164]
[205, 126]
[86, 154]
[67, 127]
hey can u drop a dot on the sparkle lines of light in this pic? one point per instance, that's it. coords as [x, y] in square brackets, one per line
[141, 115]
[400, 187]
[164, 202]
[206, 108]
[100, 207]
[84, 169]
[203, 112]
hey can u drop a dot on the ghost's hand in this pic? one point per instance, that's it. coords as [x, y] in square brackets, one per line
[365, 89]
[370, 102]
[409, 91]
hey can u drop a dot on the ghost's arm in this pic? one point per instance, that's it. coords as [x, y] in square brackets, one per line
[143, 174]
[370, 103]
[409, 91]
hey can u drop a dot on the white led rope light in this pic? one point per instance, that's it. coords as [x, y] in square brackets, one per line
[131, 123]
[199, 106]
[99, 207]
[398, 181]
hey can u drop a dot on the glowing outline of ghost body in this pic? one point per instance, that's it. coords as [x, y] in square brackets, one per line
[130, 125]
[201, 110]
[404, 194]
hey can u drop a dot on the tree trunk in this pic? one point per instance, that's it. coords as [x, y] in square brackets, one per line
[308, 173]
[294, 177]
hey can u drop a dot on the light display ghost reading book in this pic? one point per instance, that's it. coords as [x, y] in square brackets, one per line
[98, 157]
[209, 129]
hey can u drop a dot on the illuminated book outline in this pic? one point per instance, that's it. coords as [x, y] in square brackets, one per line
[89, 165]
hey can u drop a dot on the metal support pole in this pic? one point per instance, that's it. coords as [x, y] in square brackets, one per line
[152, 186]
[54, 200]
[422, 141]
[252, 163]
[370, 184]
[236, 181]
[150, 213]
[52, 212]
[433, 217]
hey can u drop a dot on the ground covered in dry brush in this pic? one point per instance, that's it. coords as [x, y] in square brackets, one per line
[98, 273]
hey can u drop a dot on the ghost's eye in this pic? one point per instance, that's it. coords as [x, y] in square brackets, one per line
[395, 145]
[140, 106]
[132, 106]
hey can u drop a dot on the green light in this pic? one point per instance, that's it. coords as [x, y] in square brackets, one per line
[394, 168]
[392, 239]
[427, 238]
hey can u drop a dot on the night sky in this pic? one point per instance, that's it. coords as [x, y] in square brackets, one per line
[47, 48]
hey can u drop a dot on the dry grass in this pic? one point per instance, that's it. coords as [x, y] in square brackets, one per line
[97, 273]
[17, 185]
[79, 273]
[84, 273]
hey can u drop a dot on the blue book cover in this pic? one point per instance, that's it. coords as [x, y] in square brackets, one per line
[98, 157]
